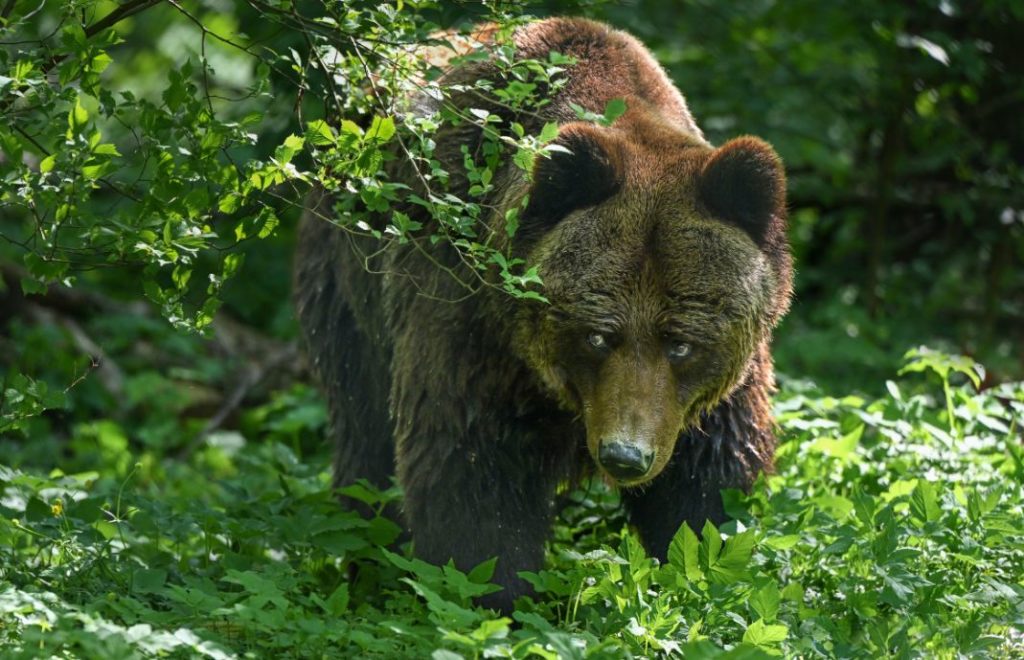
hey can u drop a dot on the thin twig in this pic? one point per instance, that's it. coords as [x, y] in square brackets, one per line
[109, 373]
[122, 12]
[423, 182]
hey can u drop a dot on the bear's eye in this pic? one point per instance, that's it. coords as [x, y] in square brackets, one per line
[597, 341]
[678, 350]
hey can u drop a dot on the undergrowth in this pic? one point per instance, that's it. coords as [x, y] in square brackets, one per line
[893, 527]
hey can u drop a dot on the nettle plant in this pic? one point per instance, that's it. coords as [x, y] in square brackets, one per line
[114, 155]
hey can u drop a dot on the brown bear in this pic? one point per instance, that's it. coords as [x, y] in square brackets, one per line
[665, 266]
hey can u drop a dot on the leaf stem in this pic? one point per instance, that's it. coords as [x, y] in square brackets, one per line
[953, 428]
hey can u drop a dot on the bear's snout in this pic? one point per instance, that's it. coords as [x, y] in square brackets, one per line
[625, 461]
[632, 415]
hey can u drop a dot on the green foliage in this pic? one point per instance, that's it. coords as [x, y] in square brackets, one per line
[408, 108]
[24, 398]
[881, 534]
[96, 174]
[163, 150]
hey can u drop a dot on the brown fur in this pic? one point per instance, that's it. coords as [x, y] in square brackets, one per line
[645, 233]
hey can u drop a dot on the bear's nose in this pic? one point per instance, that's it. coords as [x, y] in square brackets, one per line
[625, 460]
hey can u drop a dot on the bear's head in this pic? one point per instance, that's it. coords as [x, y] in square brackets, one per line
[666, 266]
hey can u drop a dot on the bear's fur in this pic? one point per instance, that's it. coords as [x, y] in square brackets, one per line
[666, 265]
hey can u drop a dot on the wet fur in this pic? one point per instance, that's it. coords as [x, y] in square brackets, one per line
[472, 403]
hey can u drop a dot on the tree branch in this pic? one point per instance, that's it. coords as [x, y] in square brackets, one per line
[122, 12]
[232, 337]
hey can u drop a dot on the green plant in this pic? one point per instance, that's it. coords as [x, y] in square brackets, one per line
[882, 533]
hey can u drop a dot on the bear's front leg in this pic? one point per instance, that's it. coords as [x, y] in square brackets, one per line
[681, 494]
[731, 446]
[470, 501]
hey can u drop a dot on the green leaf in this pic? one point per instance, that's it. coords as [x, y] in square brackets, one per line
[93, 170]
[319, 133]
[841, 448]
[232, 263]
[710, 545]
[339, 542]
[292, 145]
[765, 601]
[37, 510]
[483, 571]
[349, 127]
[784, 542]
[524, 159]
[764, 635]
[47, 270]
[511, 222]
[337, 602]
[731, 564]
[926, 359]
[106, 149]
[78, 117]
[11, 145]
[793, 592]
[268, 222]
[924, 502]
[683, 553]
[864, 505]
[445, 654]
[613, 110]
[446, 612]
[382, 531]
[100, 62]
[229, 204]
[381, 129]
[899, 488]
[837, 506]
[149, 580]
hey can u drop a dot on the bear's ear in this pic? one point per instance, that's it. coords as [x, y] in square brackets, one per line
[584, 171]
[743, 183]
